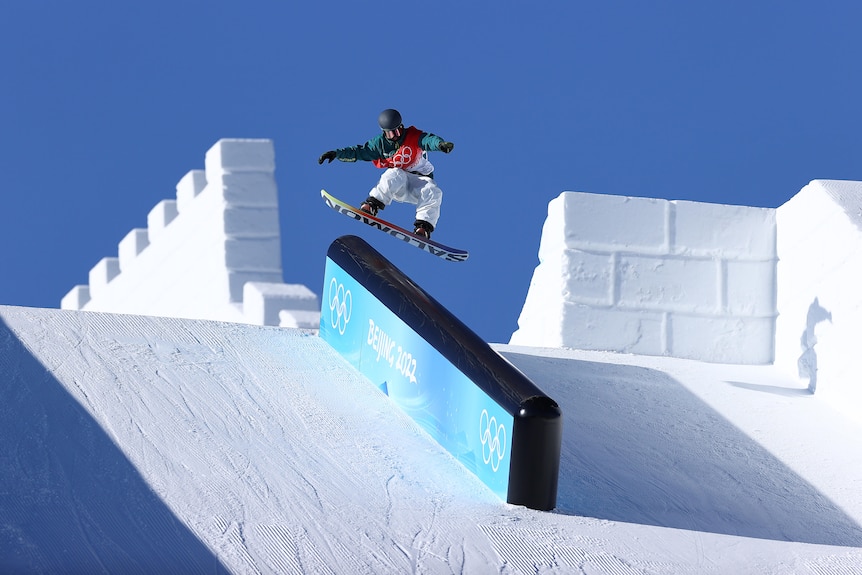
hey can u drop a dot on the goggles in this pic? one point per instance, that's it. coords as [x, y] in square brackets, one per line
[394, 132]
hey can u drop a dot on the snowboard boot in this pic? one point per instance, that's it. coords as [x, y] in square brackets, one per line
[371, 206]
[423, 229]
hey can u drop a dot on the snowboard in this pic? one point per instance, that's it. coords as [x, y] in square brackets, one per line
[426, 245]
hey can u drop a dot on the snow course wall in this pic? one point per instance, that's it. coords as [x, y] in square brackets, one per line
[654, 277]
[819, 324]
[709, 282]
[212, 253]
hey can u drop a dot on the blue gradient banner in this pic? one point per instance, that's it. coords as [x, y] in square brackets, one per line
[441, 399]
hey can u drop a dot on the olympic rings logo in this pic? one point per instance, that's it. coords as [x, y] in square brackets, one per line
[340, 306]
[403, 157]
[493, 438]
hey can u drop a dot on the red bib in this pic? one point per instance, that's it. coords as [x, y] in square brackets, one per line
[407, 155]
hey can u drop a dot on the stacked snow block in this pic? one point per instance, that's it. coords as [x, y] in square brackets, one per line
[200, 250]
[285, 305]
[654, 277]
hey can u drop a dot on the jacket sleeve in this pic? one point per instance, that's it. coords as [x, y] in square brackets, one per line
[429, 141]
[367, 152]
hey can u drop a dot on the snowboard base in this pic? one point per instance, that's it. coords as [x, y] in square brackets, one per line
[432, 247]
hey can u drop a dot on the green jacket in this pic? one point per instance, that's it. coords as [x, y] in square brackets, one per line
[378, 147]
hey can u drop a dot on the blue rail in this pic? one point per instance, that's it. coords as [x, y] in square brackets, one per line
[480, 407]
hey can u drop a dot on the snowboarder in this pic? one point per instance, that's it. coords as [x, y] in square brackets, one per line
[408, 175]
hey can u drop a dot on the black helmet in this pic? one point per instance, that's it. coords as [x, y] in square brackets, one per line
[389, 119]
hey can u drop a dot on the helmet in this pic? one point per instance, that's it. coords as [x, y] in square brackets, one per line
[389, 119]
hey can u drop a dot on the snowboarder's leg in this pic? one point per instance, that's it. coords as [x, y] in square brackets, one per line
[392, 186]
[400, 186]
[429, 199]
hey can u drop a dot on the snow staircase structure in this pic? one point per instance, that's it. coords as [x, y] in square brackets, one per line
[213, 252]
[470, 399]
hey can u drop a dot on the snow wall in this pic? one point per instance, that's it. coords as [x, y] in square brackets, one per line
[654, 277]
[709, 282]
[819, 325]
[476, 404]
[212, 253]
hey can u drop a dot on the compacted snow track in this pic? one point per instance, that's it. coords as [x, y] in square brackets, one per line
[136, 444]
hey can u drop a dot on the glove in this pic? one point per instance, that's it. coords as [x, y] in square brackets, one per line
[446, 147]
[330, 155]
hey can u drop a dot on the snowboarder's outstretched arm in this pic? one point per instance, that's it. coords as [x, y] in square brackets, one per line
[379, 147]
[431, 142]
[371, 150]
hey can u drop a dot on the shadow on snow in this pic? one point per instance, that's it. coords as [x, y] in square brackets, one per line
[70, 500]
[638, 447]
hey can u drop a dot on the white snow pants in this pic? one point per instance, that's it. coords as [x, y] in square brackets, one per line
[401, 186]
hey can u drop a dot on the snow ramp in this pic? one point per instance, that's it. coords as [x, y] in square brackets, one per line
[135, 444]
[138, 444]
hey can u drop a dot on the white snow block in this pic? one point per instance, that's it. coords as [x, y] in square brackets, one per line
[613, 272]
[262, 302]
[101, 274]
[189, 187]
[722, 231]
[251, 222]
[253, 189]
[587, 277]
[578, 326]
[253, 254]
[668, 284]
[159, 217]
[750, 288]
[131, 245]
[623, 331]
[604, 223]
[299, 319]
[242, 171]
[200, 249]
[236, 281]
[240, 155]
[745, 341]
[76, 299]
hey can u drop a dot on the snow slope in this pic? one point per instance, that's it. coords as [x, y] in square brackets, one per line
[152, 445]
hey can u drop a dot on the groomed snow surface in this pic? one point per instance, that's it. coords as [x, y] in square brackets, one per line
[148, 445]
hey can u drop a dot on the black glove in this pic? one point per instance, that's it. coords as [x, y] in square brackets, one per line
[446, 147]
[330, 155]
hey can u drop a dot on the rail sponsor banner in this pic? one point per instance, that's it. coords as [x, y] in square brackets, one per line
[424, 384]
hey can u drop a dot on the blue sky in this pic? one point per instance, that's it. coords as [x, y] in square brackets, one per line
[105, 105]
